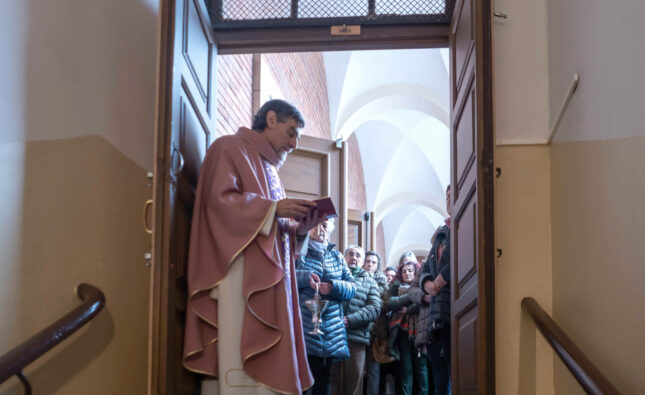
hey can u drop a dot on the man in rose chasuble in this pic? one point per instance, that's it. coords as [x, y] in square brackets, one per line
[243, 325]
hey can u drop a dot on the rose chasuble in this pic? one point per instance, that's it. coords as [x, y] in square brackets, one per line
[243, 323]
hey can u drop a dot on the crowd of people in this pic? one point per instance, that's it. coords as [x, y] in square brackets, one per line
[257, 258]
[384, 331]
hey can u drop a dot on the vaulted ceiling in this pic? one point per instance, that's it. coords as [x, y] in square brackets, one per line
[396, 102]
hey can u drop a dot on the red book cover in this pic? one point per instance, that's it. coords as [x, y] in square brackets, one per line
[326, 207]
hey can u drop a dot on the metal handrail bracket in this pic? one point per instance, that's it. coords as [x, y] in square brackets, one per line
[565, 103]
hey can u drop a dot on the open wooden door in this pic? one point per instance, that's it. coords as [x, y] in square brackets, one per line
[317, 169]
[186, 129]
[472, 228]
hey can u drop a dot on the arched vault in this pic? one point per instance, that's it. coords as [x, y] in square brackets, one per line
[414, 198]
[378, 100]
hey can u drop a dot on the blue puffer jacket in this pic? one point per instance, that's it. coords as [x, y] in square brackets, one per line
[330, 268]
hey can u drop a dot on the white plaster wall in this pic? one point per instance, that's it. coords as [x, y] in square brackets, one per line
[521, 73]
[603, 42]
[73, 68]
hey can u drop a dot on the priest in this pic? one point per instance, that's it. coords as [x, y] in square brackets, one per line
[243, 325]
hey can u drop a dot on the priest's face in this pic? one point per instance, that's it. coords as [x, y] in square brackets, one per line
[283, 136]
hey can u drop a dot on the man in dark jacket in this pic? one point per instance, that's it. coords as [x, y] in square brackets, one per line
[360, 312]
[433, 291]
[371, 383]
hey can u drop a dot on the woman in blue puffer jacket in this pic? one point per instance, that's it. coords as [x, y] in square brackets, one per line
[324, 268]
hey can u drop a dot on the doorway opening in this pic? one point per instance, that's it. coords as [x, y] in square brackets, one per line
[188, 123]
[391, 110]
[385, 111]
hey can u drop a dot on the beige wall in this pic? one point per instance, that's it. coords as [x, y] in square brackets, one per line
[598, 255]
[523, 232]
[78, 109]
[522, 198]
[597, 184]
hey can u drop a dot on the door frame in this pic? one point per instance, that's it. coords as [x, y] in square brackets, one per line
[307, 39]
[317, 39]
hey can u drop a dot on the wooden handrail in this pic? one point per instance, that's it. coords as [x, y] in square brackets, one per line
[13, 362]
[587, 374]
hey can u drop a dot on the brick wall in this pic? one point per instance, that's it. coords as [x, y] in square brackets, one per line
[301, 77]
[234, 91]
[355, 179]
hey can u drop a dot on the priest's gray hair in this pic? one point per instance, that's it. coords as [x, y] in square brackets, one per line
[283, 110]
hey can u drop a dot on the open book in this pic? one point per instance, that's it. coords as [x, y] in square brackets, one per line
[325, 207]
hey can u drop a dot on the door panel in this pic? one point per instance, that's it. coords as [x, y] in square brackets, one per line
[306, 173]
[472, 236]
[356, 228]
[465, 139]
[314, 170]
[466, 240]
[464, 39]
[187, 76]
[193, 141]
[467, 349]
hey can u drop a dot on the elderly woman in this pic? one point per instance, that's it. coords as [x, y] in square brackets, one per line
[324, 268]
[413, 364]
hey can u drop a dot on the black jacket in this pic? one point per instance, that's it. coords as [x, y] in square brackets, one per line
[439, 314]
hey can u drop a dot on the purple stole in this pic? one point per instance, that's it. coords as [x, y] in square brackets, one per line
[277, 193]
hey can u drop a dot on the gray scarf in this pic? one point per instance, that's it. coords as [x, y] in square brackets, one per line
[317, 248]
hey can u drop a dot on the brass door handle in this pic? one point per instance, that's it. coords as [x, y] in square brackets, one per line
[148, 204]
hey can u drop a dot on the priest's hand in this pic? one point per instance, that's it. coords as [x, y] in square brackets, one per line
[308, 222]
[293, 208]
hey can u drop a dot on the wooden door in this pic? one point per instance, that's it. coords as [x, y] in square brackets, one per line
[318, 169]
[356, 228]
[472, 237]
[187, 127]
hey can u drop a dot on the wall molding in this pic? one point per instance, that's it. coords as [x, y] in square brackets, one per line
[522, 141]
